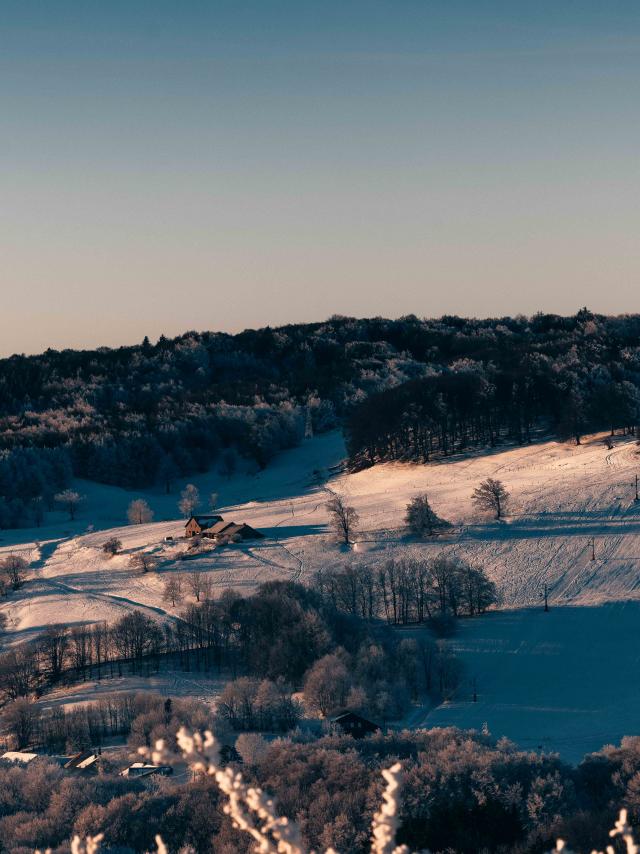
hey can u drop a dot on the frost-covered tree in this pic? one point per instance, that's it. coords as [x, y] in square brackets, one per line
[492, 496]
[195, 583]
[139, 512]
[172, 591]
[112, 546]
[144, 562]
[14, 568]
[421, 519]
[327, 684]
[70, 500]
[189, 500]
[252, 747]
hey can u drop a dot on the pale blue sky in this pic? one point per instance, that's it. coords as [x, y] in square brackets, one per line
[187, 165]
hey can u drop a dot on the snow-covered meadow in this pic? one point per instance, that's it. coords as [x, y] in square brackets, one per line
[564, 680]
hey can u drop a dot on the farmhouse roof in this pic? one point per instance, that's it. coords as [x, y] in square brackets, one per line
[206, 521]
[221, 526]
[243, 529]
[352, 722]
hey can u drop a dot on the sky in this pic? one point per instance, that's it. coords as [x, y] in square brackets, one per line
[178, 164]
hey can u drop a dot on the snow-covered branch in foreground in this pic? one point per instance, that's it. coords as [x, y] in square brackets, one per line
[254, 812]
[385, 821]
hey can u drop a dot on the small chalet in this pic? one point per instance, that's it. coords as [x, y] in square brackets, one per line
[198, 525]
[353, 725]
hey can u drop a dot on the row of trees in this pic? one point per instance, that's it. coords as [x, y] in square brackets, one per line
[407, 590]
[277, 634]
[139, 512]
[474, 405]
[142, 718]
[421, 519]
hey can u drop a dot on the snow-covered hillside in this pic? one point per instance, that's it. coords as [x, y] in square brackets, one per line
[563, 680]
[566, 681]
[562, 495]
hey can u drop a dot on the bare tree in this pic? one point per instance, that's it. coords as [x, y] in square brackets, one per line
[343, 519]
[14, 568]
[207, 588]
[18, 671]
[213, 502]
[195, 582]
[491, 495]
[20, 721]
[70, 500]
[112, 546]
[189, 500]
[173, 590]
[139, 512]
[144, 561]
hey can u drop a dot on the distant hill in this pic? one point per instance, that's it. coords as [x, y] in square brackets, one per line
[408, 388]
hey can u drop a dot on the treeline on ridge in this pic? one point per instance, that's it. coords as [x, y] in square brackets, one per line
[533, 379]
[145, 415]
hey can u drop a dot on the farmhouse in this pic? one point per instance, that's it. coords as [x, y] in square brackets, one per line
[218, 529]
[200, 524]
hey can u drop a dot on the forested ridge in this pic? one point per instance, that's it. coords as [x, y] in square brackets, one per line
[404, 389]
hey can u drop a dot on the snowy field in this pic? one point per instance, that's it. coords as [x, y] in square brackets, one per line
[562, 496]
[566, 681]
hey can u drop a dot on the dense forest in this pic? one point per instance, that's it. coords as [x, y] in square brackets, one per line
[461, 792]
[404, 389]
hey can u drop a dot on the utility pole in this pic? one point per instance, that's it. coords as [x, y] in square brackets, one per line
[592, 543]
[637, 498]
[546, 598]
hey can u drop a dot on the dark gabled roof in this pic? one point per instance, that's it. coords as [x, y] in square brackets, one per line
[243, 529]
[344, 717]
[206, 521]
[220, 526]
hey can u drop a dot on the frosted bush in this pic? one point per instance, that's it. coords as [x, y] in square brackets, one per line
[254, 812]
